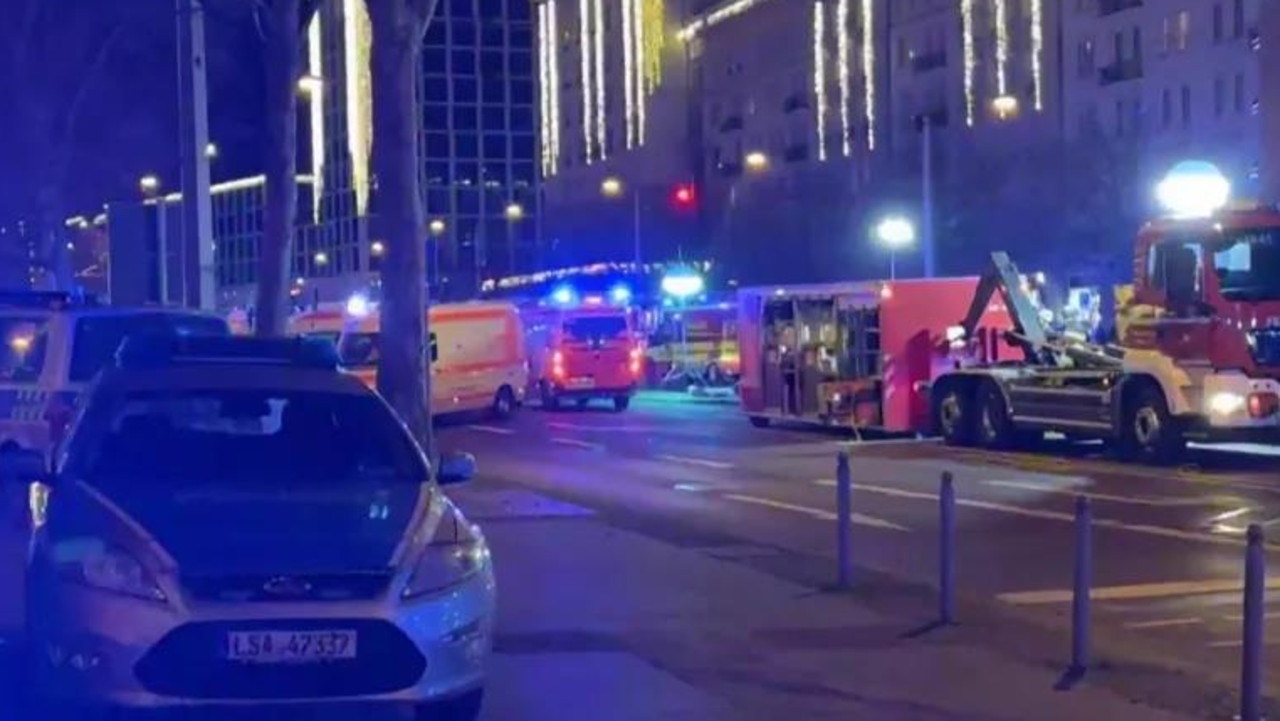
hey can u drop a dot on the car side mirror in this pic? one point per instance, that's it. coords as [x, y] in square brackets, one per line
[22, 465]
[455, 468]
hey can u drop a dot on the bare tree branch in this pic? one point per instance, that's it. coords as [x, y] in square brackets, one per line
[422, 11]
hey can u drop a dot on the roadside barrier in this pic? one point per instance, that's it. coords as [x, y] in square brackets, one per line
[1255, 584]
[844, 522]
[946, 549]
[1081, 613]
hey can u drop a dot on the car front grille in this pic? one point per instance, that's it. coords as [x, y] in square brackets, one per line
[191, 662]
[303, 587]
[1265, 346]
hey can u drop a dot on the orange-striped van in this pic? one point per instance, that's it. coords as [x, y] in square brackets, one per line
[477, 356]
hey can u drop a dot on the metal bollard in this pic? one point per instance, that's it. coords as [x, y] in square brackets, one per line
[946, 549]
[1081, 588]
[844, 521]
[1255, 583]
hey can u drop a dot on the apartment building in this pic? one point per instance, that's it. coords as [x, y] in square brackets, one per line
[1169, 79]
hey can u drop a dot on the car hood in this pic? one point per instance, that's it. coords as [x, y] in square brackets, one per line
[288, 530]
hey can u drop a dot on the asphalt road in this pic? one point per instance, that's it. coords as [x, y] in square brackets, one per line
[1168, 542]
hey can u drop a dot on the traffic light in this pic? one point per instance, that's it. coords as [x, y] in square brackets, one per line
[684, 197]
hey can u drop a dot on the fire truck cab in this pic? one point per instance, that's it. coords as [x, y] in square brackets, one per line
[582, 348]
[857, 355]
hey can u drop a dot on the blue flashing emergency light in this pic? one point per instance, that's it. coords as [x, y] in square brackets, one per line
[620, 295]
[563, 295]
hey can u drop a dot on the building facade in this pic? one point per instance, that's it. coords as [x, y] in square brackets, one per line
[1169, 78]
[797, 121]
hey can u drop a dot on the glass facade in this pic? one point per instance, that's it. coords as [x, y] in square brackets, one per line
[478, 144]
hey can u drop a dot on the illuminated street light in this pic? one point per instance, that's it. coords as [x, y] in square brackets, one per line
[683, 284]
[210, 151]
[611, 187]
[149, 184]
[310, 84]
[321, 258]
[515, 211]
[1194, 189]
[1005, 107]
[436, 227]
[756, 161]
[377, 248]
[895, 233]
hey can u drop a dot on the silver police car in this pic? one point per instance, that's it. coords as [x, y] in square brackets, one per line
[234, 521]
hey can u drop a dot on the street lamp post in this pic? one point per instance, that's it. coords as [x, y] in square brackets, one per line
[613, 188]
[437, 228]
[895, 233]
[150, 187]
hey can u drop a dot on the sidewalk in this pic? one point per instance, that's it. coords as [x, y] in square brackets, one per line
[599, 623]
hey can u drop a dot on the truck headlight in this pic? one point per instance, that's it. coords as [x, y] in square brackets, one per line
[93, 563]
[1226, 403]
[457, 553]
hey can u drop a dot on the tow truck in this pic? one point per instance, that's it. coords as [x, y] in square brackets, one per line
[1196, 355]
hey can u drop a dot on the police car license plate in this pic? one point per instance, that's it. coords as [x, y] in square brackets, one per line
[290, 646]
[582, 382]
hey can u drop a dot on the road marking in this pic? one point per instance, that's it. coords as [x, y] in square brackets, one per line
[1132, 592]
[705, 463]
[1160, 531]
[577, 443]
[561, 426]
[1164, 623]
[497, 430]
[818, 513]
[917, 441]
[1162, 502]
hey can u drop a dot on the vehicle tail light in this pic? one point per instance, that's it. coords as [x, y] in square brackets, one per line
[1263, 405]
[557, 364]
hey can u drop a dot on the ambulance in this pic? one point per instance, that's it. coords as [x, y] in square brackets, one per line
[584, 347]
[323, 321]
[478, 361]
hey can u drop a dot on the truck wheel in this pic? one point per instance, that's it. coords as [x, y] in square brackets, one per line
[621, 403]
[1151, 434]
[992, 426]
[951, 416]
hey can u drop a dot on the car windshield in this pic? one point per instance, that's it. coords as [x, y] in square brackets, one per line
[22, 357]
[98, 337]
[596, 329]
[221, 437]
[1248, 265]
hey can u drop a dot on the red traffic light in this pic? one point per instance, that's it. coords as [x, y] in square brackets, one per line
[684, 195]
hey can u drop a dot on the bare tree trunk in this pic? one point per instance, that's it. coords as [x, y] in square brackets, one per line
[403, 378]
[282, 61]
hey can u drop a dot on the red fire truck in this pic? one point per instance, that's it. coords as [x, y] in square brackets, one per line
[858, 355]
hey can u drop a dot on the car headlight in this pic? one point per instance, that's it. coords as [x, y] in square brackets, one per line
[457, 553]
[1226, 403]
[90, 561]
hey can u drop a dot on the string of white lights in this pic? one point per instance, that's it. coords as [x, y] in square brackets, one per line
[715, 17]
[820, 78]
[588, 95]
[641, 61]
[628, 71]
[869, 70]
[842, 47]
[1002, 47]
[553, 53]
[1037, 52]
[544, 92]
[602, 133]
[970, 58]
[358, 39]
[315, 68]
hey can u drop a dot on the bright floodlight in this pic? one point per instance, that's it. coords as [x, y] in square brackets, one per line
[611, 187]
[1194, 189]
[683, 284]
[896, 232]
[358, 306]
[562, 296]
[620, 294]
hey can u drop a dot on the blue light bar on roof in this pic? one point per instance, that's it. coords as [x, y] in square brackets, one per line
[167, 350]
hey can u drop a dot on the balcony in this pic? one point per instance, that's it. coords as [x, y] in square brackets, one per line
[1120, 71]
[1111, 7]
[931, 61]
